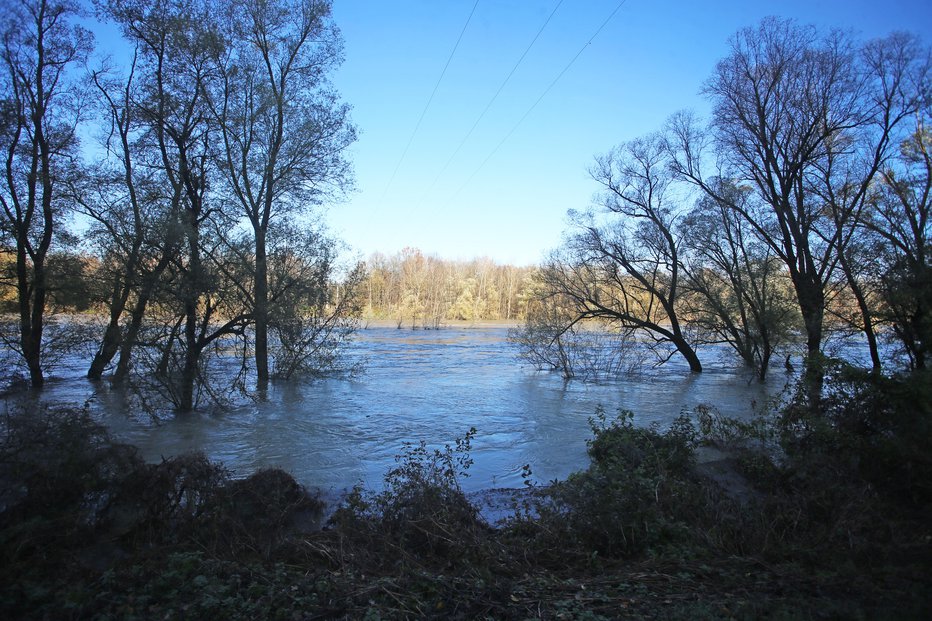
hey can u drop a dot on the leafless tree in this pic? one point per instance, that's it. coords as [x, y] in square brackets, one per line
[889, 75]
[740, 295]
[177, 46]
[41, 107]
[315, 314]
[284, 130]
[133, 222]
[806, 120]
[628, 271]
[901, 219]
[779, 98]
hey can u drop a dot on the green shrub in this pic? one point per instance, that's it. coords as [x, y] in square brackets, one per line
[422, 511]
[869, 427]
[636, 495]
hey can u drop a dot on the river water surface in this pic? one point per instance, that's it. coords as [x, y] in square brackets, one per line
[423, 385]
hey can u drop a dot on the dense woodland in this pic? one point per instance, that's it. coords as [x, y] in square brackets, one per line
[424, 291]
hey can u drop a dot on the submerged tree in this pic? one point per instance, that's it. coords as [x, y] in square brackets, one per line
[225, 135]
[780, 96]
[550, 339]
[628, 271]
[134, 222]
[740, 295]
[313, 313]
[902, 220]
[177, 45]
[890, 73]
[41, 107]
[284, 130]
[801, 183]
[806, 121]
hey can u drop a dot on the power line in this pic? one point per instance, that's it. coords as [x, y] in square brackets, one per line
[495, 96]
[534, 105]
[430, 99]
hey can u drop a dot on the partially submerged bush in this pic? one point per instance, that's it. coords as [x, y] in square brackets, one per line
[837, 477]
[160, 504]
[191, 499]
[422, 511]
[257, 514]
[68, 488]
[637, 494]
[876, 428]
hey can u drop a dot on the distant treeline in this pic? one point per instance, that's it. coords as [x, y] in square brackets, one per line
[419, 290]
[407, 287]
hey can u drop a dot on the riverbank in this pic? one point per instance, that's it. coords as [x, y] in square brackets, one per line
[835, 527]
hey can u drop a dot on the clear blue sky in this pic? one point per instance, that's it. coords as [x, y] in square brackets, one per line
[649, 61]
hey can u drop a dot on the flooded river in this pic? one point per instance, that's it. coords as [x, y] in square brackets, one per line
[423, 385]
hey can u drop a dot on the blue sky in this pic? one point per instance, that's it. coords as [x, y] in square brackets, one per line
[649, 61]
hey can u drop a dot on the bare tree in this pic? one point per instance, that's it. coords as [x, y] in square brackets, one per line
[314, 312]
[552, 338]
[133, 223]
[806, 120]
[740, 295]
[629, 271]
[780, 96]
[177, 45]
[41, 108]
[901, 219]
[889, 75]
[284, 130]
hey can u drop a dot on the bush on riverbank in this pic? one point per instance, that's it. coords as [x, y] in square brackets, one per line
[801, 514]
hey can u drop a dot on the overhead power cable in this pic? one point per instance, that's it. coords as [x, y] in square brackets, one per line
[430, 99]
[495, 96]
[534, 105]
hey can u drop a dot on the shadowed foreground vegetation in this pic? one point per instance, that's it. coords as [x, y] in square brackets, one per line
[796, 515]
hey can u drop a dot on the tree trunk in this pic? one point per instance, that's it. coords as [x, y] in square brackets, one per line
[109, 346]
[261, 308]
[129, 339]
[30, 334]
[689, 354]
[677, 338]
[110, 343]
[191, 354]
[138, 313]
[766, 354]
[191, 287]
[812, 307]
[868, 328]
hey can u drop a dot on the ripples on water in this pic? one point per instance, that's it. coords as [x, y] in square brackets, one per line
[424, 385]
